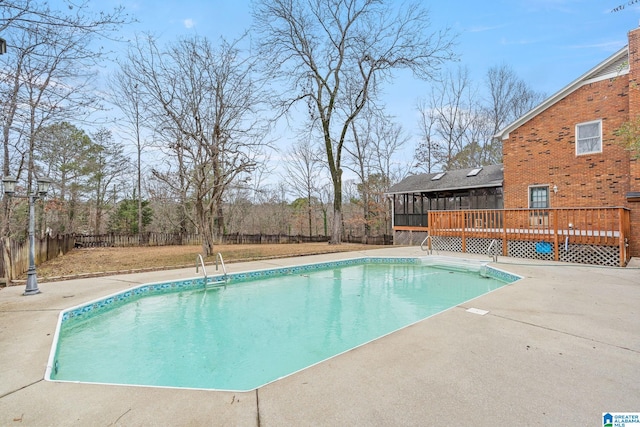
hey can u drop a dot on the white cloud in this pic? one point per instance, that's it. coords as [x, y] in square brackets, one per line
[189, 23]
[481, 29]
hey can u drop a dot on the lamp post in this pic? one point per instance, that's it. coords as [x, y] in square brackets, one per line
[42, 187]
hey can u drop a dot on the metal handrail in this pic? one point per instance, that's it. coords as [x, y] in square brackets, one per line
[495, 255]
[204, 270]
[219, 255]
[427, 239]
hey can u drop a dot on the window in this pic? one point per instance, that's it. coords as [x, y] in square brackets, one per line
[589, 137]
[539, 197]
[438, 176]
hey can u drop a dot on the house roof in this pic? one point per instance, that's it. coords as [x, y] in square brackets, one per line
[616, 65]
[487, 176]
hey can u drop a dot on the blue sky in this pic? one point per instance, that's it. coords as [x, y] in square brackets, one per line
[548, 43]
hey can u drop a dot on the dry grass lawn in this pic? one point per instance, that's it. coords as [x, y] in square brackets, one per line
[104, 261]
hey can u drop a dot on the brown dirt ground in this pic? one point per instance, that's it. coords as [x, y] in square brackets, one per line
[91, 262]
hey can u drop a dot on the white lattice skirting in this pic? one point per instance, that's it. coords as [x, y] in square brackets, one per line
[582, 254]
[409, 238]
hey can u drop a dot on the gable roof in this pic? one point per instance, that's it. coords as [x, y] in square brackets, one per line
[616, 65]
[460, 179]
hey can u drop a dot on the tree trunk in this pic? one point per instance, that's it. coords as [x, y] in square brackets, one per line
[309, 212]
[336, 231]
[219, 223]
[139, 179]
[205, 228]
[207, 242]
[366, 212]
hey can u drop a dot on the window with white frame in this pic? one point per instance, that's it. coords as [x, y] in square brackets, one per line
[589, 137]
[539, 197]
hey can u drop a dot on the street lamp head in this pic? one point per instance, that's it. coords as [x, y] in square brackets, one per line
[43, 186]
[9, 185]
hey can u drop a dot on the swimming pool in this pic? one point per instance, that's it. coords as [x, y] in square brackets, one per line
[257, 327]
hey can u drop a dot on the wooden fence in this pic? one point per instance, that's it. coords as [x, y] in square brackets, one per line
[15, 254]
[168, 239]
[141, 239]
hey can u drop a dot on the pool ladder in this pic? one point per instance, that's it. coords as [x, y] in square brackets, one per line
[493, 254]
[218, 282]
[492, 250]
[427, 240]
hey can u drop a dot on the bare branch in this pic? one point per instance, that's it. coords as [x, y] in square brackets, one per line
[335, 53]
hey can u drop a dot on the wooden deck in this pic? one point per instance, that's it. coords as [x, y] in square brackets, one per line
[561, 227]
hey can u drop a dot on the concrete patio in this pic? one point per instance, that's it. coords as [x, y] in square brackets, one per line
[559, 347]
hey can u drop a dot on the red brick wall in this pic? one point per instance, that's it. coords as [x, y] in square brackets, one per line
[634, 72]
[634, 111]
[542, 151]
[634, 96]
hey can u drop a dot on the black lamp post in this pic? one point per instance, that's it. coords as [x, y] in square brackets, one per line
[42, 187]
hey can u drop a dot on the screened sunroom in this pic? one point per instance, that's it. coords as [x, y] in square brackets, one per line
[463, 189]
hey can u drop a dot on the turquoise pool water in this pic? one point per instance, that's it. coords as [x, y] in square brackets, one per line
[253, 331]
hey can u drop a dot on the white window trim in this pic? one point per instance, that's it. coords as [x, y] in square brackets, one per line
[599, 121]
[547, 186]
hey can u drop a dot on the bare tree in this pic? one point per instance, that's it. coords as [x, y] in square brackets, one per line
[303, 173]
[334, 55]
[21, 14]
[169, 205]
[502, 83]
[457, 127]
[509, 98]
[126, 94]
[425, 150]
[47, 71]
[375, 140]
[389, 139]
[203, 104]
[453, 125]
[452, 102]
[359, 160]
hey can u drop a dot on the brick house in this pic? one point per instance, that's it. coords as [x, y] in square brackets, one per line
[565, 154]
[570, 191]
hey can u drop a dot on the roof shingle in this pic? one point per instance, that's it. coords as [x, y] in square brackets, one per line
[489, 176]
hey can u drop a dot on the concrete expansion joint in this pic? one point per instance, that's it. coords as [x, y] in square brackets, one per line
[567, 333]
[120, 417]
[257, 409]
[20, 388]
